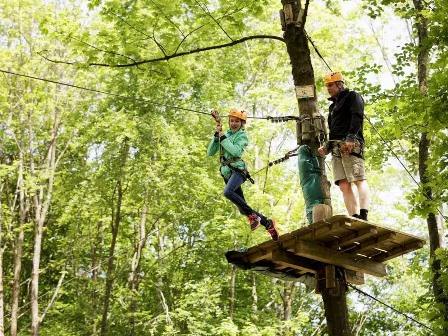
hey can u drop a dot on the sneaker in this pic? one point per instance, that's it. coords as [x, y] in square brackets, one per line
[254, 221]
[272, 230]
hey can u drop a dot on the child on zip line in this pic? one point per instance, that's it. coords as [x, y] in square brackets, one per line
[231, 146]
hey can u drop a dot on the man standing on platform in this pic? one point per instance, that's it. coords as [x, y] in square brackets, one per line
[346, 144]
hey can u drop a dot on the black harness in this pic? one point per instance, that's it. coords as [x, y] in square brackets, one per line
[243, 172]
[334, 147]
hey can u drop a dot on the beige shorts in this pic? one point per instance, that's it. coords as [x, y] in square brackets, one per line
[348, 167]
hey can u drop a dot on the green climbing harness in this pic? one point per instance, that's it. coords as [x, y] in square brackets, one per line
[310, 180]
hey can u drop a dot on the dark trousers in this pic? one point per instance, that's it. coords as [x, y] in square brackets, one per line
[234, 193]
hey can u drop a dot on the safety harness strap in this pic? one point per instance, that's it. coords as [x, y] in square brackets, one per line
[243, 172]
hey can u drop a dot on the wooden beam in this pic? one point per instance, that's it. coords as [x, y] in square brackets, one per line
[323, 254]
[327, 229]
[289, 259]
[322, 229]
[258, 255]
[370, 243]
[351, 238]
[399, 250]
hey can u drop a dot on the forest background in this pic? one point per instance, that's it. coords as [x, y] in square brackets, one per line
[112, 219]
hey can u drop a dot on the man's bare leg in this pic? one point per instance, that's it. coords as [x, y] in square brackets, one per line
[350, 200]
[364, 197]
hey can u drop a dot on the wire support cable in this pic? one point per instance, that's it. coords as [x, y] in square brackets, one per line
[116, 95]
[428, 197]
[287, 156]
[390, 307]
[317, 51]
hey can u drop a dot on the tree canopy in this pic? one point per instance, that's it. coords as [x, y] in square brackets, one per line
[112, 219]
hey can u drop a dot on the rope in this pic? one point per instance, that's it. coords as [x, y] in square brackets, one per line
[390, 307]
[317, 51]
[144, 100]
[287, 156]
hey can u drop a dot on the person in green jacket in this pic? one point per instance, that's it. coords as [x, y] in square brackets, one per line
[231, 146]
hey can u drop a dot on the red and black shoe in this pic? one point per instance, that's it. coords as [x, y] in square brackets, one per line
[254, 221]
[272, 230]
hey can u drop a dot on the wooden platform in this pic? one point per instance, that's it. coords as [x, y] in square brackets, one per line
[355, 245]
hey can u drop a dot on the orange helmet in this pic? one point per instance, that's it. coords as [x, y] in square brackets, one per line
[238, 114]
[333, 77]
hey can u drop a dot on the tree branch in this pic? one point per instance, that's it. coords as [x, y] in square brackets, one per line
[206, 24]
[175, 55]
[55, 294]
[96, 48]
[305, 12]
[167, 18]
[206, 10]
[129, 25]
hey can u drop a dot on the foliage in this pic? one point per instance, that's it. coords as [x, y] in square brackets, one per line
[152, 152]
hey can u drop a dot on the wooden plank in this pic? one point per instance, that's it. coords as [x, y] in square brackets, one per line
[399, 250]
[357, 236]
[263, 251]
[323, 254]
[337, 225]
[260, 254]
[370, 243]
[328, 230]
[356, 223]
[320, 229]
[289, 259]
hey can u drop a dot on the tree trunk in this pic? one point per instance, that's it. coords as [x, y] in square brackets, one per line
[232, 291]
[116, 220]
[135, 265]
[421, 23]
[288, 296]
[42, 201]
[96, 268]
[336, 311]
[254, 295]
[18, 246]
[2, 250]
[160, 281]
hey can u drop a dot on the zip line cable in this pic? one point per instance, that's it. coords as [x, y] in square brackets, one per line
[144, 100]
[389, 306]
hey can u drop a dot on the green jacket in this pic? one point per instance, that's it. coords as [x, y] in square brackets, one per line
[233, 145]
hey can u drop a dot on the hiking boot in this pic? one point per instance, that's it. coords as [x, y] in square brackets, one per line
[272, 230]
[363, 214]
[254, 221]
